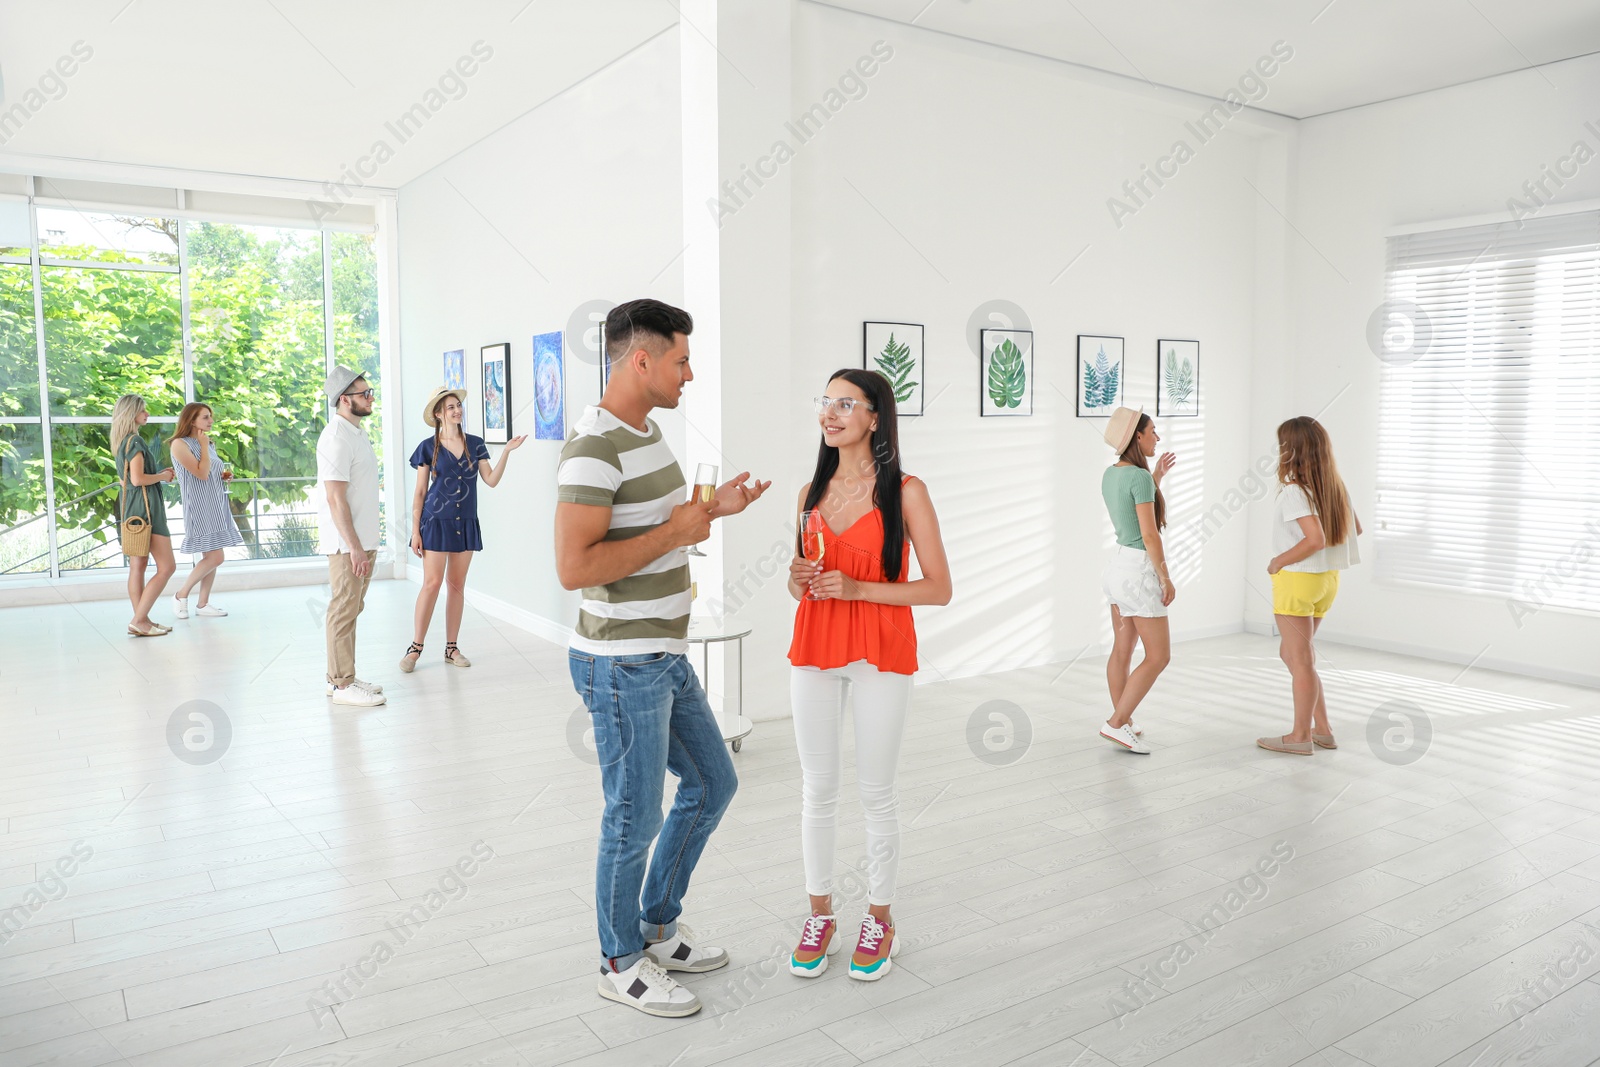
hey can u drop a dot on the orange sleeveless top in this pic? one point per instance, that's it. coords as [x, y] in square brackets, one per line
[831, 633]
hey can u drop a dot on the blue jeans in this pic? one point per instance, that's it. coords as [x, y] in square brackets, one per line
[650, 716]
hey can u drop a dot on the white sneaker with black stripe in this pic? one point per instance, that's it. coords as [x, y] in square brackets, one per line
[680, 953]
[650, 989]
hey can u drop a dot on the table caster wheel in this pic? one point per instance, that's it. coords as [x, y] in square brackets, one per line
[738, 742]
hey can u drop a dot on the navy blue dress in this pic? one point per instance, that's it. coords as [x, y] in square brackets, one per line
[450, 510]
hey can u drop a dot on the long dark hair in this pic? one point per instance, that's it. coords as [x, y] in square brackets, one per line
[885, 453]
[1133, 455]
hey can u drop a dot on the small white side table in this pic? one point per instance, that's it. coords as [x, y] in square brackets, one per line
[708, 630]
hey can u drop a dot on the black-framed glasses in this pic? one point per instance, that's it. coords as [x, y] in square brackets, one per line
[843, 404]
[365, 394]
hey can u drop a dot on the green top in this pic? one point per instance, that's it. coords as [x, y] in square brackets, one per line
[1124, 489]
[135, 445]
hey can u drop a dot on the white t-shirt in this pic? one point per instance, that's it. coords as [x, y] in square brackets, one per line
[1293, 504]
[344, 454]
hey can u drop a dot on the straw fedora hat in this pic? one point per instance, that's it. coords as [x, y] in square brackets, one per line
[437, 395]
[1119, 430]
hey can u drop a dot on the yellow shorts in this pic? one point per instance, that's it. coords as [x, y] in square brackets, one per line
[1303, 594]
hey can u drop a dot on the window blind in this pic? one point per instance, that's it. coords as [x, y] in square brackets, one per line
[1489, 438]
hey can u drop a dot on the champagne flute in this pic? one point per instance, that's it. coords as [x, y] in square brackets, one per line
[705, 490]
[811, 546]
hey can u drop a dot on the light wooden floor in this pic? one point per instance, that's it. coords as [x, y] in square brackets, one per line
[1445, 912]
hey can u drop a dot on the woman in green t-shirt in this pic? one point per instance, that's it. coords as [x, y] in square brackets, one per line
[142, 476]
[1136, 582]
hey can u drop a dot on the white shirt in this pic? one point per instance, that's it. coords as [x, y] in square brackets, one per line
[1286, 533]
[344, 454]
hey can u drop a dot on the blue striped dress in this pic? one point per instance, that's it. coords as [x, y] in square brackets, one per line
[207, 523]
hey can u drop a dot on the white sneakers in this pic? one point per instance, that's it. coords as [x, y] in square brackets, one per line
[357, 695]
[180, 608]
[372, 687]
[680, 953]
[647, 985]
[1124, 736]
[650, 989]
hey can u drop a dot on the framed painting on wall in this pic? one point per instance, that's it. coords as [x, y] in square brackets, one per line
[496, 393]
[1099, 375]
[549, 401]
[455, 369]
[1005, 372]
[605, 360]
[1177, 378]
[894, 350]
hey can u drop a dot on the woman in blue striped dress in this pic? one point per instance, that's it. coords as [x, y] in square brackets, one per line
[208, 525]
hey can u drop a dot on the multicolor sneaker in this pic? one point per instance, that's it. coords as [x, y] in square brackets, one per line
[680, 953]
[817, 943]
[874, 949]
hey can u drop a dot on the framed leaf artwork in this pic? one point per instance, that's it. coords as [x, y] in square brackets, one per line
[1177, 378]
[1005, 372]
[1099, 375]
[894, 350]
[496, 393]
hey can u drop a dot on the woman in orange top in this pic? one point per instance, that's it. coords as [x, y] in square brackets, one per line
[853, 633]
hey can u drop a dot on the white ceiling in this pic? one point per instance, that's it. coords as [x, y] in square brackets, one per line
[1346, 53]
[297, 88]
[302, 88]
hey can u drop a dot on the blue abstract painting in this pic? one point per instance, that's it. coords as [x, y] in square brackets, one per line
[455, 369]
[549, 402]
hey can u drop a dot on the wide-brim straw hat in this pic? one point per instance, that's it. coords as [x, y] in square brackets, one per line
[439, 394]
[1120, 428]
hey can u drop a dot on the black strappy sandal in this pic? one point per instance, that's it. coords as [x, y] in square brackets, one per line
[453, 656]
[408, 662]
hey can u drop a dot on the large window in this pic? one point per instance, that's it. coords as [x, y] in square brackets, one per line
[268, 309]
[1489, 420]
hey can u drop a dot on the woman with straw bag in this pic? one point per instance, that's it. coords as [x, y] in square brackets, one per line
[141, 513]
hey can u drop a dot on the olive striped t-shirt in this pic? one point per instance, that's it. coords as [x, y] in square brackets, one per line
[607, 463]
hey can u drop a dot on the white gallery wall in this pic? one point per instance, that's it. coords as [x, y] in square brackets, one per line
[1454, 154]
[574, 203]
[961, 185]
[968, 178]
[957, 185]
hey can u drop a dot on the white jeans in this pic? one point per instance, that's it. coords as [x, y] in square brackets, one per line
[881, 703]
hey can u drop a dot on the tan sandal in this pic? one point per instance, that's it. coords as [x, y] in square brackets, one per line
[408, 662]
[1324, 741]
[1278, 744]
[156, 630]
[453, 656]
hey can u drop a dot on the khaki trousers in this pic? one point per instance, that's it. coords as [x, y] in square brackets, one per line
[347, 595]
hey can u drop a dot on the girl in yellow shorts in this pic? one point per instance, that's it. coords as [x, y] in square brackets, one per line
[1314, 536]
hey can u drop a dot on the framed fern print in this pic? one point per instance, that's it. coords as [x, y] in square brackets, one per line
[1099, 375]
[1177, 378]
[894, 350]
[1005, 372]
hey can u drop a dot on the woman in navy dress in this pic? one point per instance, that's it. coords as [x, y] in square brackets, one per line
[444, 516]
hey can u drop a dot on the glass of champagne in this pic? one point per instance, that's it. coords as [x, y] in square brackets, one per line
[811, 527]
[705, 490]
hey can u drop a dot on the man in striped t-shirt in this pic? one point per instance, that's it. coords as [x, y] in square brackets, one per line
[622, 527]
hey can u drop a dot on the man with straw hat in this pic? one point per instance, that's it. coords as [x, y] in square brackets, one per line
[347, 519]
